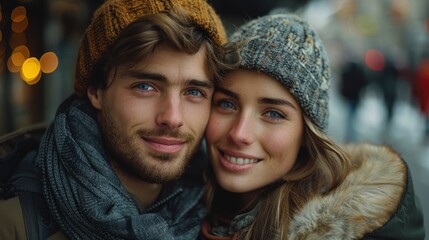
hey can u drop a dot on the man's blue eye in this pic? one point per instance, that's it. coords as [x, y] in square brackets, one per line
[144, 86]
[194, 92]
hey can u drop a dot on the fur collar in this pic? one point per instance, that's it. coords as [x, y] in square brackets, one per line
[364, 202]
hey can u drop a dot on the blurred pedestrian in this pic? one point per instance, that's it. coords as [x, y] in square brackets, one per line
[352, 83]
[387, 81]
[422, 91]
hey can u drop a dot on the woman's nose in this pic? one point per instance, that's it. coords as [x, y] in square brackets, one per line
[242, 131]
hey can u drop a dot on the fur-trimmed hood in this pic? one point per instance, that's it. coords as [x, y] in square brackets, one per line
[364, 202]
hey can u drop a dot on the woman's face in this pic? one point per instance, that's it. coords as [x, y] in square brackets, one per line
[254, 132]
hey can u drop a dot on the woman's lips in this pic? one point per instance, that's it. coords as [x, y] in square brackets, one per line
[237, 162]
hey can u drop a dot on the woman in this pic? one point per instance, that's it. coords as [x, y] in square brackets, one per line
[274, 172]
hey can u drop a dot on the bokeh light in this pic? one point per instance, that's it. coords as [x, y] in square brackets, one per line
[30, 69]
[11, 67]
[49, 62]
[19, 27]
[18, 14]
[22, 49]
[17, 59]
[374, 59]
[36, 80]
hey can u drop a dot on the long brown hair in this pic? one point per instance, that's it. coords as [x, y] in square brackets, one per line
[321, 166]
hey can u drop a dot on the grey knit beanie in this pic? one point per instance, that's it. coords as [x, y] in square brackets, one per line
[288, 49]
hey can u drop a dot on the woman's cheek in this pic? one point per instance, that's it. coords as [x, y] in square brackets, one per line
[214, 127]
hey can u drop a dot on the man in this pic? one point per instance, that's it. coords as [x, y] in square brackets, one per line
[114, 163]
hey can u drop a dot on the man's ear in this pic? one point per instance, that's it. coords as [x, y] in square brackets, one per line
[95, 95]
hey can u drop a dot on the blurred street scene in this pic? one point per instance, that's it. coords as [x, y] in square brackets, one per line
[379, 52]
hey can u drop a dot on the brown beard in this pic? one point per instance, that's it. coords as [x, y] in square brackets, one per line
[120, 149]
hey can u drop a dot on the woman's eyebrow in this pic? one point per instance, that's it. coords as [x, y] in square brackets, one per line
[227, 92]
[276, 101]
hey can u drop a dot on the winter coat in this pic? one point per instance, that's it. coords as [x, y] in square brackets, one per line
[376, 201]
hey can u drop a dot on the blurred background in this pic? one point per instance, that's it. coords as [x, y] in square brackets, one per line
[379, 53]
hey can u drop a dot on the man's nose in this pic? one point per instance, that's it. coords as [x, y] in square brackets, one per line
[170, 113]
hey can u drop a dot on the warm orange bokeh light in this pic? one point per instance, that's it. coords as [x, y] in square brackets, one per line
[22, 49]
[36, 80]
[49, 62]
[18, 14]
[19, 27]
[17, 59]
[11, 66]
[30, 69]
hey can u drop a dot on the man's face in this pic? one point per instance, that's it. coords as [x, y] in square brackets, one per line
[153, 116]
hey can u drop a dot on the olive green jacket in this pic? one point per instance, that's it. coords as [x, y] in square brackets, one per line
[12, 224]
[20, 186]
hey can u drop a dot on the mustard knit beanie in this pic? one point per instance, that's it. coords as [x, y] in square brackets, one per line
[114, 15]
[289, 49]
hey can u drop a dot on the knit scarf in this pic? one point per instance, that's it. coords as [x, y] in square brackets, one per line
[85, 196]
[238, 223]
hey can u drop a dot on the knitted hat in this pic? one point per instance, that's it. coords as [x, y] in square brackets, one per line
[114, 15]
[288, 49]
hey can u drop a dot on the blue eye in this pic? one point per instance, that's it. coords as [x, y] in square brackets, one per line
[226, 104]
[194, 92]
[274, 115]
[145, 87]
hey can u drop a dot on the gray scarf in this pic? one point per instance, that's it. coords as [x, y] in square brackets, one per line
[87, 199]
[238, 223]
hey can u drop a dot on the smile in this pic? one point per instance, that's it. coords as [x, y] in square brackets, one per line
[240, 160]
[237, 162]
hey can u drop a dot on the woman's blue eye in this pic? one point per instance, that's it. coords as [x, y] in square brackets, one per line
[145, 87]
[274, 114]
[194, 92]
[226, 104]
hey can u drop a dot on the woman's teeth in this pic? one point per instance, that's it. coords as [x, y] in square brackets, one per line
[240, 161]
